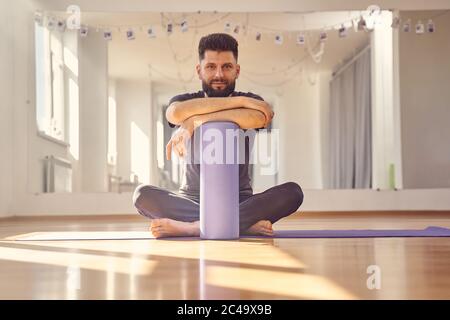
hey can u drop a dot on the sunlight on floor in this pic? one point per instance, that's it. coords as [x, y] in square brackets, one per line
[294, 285]
[131, 265]
[243, 252]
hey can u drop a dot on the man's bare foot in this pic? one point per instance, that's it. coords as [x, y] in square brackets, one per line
[261, 228]
[172, 228]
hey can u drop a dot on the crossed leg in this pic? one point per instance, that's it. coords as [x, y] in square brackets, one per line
[175, 215]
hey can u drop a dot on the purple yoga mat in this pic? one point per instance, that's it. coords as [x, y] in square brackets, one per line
[219, 181]
[141, 235]
[428, 232]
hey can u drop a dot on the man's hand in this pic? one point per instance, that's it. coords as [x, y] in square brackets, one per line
[179, 139]
[259, 105]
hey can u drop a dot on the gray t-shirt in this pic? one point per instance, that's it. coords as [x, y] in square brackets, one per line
[190, 185]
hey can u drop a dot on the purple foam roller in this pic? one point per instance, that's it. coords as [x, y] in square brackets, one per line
[219, 181]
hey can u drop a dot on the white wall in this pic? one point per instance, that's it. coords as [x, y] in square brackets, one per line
[134, 129]
[6, 107]
[425, 104]
[299, 126]
[324, 107]
[23, 95]
[17, 85]
[93, 84]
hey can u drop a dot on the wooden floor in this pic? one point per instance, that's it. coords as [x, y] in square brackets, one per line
[410, 268]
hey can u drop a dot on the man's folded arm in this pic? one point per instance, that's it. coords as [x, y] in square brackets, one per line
[178, 111]
[243, 117]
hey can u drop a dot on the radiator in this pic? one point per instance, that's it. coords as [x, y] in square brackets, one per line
[58, 175]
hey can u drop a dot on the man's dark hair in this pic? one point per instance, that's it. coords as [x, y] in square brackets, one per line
[217, 42]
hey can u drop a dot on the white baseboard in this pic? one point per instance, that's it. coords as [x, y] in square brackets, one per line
[314, 200]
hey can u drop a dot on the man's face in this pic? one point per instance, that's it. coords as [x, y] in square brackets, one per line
[218, 72]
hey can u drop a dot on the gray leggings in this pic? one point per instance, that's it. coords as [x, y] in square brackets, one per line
[273, 204]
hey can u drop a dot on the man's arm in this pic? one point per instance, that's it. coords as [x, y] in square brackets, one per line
[244, 118]
[178, 112]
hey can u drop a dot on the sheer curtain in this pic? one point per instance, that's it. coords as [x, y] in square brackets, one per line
[350, 149]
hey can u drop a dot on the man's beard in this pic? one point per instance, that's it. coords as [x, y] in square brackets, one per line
[225, 92]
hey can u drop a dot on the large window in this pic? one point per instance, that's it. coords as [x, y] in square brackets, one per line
[50, 83]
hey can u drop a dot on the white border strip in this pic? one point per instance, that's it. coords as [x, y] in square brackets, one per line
[315, 200]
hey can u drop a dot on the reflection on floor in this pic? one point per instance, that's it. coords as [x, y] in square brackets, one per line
[189, 268]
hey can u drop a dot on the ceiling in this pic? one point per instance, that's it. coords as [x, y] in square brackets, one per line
[172, 58]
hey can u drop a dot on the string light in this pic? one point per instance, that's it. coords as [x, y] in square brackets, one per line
[50, 23]
[430, 26]
[407, 26]
[168, 24]
[61, 25]
[362, 26]
[83, 31]
[279, 39]
[395, 22]
[130, 34]
[169, 28]
[301, 39]
[420, 27]
[38, 18]
[151, 32]
[342, 32]
[184, 26]
[107, 35]
[227, 27]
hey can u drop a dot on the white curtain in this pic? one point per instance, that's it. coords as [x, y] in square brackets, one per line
[350, 159]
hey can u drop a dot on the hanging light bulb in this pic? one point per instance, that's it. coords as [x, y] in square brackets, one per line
[151, 32]
[38, 18]
[362, 26]
[169, 28]
[258, 36]
[430, 26]
[227, 27]
[84, 31]
[342, 32]
[61, 25]
[279, 39]
[407, 26]
[301, 39]
[420, 27]
[50, 23]
[395, 22]
[184, 26]
[130, 34]
[323, 36]
[107, 35]
[236, 29]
